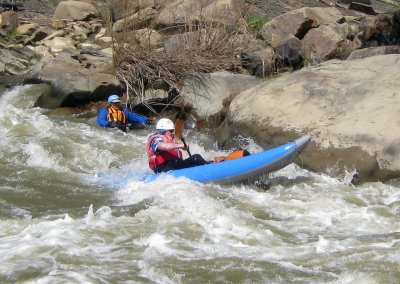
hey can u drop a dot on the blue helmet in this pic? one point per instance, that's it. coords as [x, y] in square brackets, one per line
[113, 99]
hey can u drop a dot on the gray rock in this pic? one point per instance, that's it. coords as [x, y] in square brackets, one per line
[373, 51]
[16, 61]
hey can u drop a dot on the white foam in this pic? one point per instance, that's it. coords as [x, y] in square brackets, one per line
[38, 156]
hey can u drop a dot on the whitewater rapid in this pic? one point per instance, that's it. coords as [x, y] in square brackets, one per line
[74, 210]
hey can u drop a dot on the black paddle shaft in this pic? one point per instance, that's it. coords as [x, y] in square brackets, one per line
[184, 143]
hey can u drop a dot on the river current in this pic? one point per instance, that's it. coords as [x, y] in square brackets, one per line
[73, 210]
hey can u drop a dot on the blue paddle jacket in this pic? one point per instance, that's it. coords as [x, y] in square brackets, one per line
[130, 116]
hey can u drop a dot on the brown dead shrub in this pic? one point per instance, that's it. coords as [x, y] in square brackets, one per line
[206, 45]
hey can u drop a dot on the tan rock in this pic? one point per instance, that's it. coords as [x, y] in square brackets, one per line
[223, 10]
[59, 24]
[176, 12]
[346, 106]
[208, 97]
[9, 21]
[27, 29]
[105, 39]
[136, 20]
[328, 42]
[43, 50]
[88, 45]
[71, 83]
[74, 10]
[58, 44]
[148, 37]
[101, 33]
[123, 8]
[373, 51]
[297, 23]
[108, 50]
[59, 33]
[183, 11]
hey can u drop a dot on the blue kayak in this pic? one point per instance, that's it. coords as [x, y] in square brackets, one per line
[241, 168]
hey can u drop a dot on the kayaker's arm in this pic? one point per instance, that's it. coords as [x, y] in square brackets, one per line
[102, 118]
[134, 117]
[179, 125]
[164, 146]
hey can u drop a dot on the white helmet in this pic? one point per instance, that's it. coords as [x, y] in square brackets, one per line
[165, 124]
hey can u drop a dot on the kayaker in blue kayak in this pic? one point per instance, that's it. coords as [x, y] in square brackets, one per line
[115, 116]
[164, 152]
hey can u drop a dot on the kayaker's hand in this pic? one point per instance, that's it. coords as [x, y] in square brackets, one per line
[113, 124]
[152, 120]
[120, 124]
[185, 147]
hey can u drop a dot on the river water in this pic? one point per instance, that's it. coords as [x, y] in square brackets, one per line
[73, 210]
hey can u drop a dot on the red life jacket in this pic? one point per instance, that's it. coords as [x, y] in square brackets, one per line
[116, 114]
[159, 158]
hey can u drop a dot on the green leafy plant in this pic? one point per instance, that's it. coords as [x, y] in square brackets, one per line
[255, 22]
[13, 34]
[3, 40]
[9, 38]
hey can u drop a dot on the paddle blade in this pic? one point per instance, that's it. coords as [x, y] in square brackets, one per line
[179, 126]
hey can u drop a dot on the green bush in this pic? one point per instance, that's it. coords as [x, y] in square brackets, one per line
[255, 22]
[3, 40]
[10, 38]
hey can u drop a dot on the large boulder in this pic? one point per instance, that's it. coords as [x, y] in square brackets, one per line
[346, 106]
[312, 35]
[71, 82]
[328, 42]
[75, 11]
[208, 94]
[373, 51]
[123, 8]
[16, 61]
[136, 21]
[331, 33]
[180, 12]
[298, 23]
[384, 29]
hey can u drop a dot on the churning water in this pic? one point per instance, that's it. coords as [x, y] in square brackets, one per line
[73, 210]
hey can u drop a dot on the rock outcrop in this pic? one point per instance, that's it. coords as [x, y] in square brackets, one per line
[208, 97]
[72, 84]
[347, 107]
